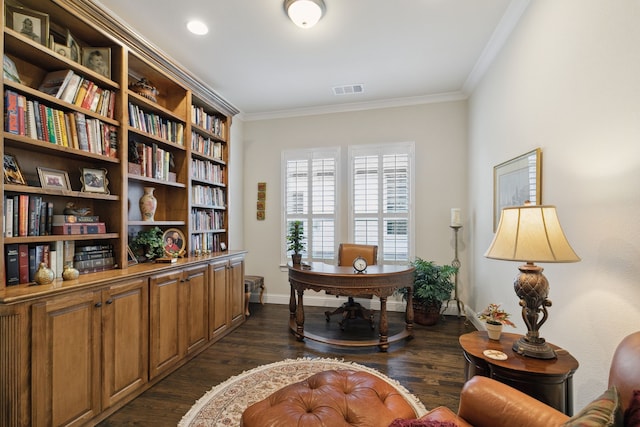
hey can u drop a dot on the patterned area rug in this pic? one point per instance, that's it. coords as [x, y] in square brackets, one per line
[224, 404]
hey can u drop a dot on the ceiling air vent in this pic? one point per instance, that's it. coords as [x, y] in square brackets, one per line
[348, 89]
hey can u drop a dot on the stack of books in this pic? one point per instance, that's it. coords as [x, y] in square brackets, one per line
[94, 258]
[77, 224]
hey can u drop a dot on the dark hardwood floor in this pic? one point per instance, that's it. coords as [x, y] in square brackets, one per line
[430, 366]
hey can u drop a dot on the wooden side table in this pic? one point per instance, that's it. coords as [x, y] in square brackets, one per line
[548, 380]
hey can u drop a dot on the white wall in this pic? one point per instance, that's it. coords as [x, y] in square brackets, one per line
[568, 82]
[439, 133]
[236, 186]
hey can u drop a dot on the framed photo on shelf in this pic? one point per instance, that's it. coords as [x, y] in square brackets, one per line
[97, 59]
[31, 24]
[61, 49]
[131, 257]
[54, 179]
[12, 172]
[223, 246]
[74, 47]
[515, 182]
[94, 180]
[174, 242]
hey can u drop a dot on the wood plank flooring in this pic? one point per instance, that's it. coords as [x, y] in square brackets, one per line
[430, 366]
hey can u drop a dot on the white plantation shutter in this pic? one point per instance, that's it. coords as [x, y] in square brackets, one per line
[310, 188]
[381, 196]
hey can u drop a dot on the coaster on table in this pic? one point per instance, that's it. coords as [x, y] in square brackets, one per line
[495, 354]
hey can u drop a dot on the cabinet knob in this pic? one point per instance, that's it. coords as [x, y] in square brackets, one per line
[98, 304]
[109, 301]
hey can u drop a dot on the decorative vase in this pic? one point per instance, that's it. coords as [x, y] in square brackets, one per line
[494, 331]
[44, 275]
[148, 204]
[296, 259]
[70, 273]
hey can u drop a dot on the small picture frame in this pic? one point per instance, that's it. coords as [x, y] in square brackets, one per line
[61, 49]
[174, 242]
[94, 180]
[223, 246]
[54, 179]
[74, 47]
[29, 23]
[131, 257]
[12, 172]
[97, 59]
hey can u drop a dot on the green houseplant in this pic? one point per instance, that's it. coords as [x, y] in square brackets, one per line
[495, 317]
[432, 285]
[148, 243]
[295, 240]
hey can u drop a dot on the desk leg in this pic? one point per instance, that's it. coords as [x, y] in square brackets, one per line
[300, 317]
[384, 325]
[409, 313]
[292, 304]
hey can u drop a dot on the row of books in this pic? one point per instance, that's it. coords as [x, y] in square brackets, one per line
[207, 171]
[211, 196]
[207, 220]
[212, 123]
[75, 89]
[94, 258]
[22, 260]
[206, 146]
[156, 125]
[206, 242]
[29, 117]
[154, 161]
[30, 215]
[27, 215]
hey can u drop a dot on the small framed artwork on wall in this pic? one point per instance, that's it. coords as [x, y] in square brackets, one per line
[516, 182]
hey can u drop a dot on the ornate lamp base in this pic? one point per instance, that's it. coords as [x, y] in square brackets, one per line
[538, 350]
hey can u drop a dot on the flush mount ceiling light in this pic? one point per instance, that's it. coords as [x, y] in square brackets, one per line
[197, 27]
[304, 13]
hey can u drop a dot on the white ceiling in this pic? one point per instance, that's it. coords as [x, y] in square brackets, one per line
[402, 51]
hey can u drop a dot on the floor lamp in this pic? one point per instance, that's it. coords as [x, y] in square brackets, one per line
[531, 233]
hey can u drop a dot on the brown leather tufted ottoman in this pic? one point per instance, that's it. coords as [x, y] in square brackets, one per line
[330, 399]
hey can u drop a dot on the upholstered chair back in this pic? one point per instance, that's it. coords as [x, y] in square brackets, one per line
[625, 368]
[347, 252]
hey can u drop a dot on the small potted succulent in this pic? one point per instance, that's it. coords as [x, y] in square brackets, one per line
[495, 317]
[295, 239]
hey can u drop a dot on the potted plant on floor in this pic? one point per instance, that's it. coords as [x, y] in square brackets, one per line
[432, 285]
[495, 317]
[295, 241]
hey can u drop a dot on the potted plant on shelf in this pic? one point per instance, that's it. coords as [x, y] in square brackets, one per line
[432, 285]
[295, 241]
[495, 317]
[148, 244]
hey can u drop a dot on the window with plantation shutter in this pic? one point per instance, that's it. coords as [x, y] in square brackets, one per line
[381, 194]
[310, 189]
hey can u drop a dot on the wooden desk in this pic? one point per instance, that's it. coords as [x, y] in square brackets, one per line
[548, 380]
[378, 280]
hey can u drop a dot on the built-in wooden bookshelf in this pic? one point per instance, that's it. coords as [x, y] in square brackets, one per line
[96, 153]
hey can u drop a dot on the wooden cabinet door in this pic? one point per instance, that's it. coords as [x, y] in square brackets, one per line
[218, 322]
[66, 360]
[195, 307]
[164, 322]
[125, 342]
[236, 286]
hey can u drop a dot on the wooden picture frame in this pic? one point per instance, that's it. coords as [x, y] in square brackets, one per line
[94, 180]
[97, 59]
[174, 242]
[12, 172]
[54, 179]
[131, 257]
[29, 23]
[515, 182]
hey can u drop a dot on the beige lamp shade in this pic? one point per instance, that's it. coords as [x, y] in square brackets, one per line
[531, 233]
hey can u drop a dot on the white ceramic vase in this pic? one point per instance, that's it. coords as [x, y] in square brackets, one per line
[148, 204]
[494, 331]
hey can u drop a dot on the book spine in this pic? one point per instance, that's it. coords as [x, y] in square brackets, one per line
[16, 215]
[8, 215]
[83, 256]
[32, 263]
[81, 125]
[23, 215]
[62, 219]
[23, 262]
[11, 112]
[92, 248]
[12, 264]
[22, 101]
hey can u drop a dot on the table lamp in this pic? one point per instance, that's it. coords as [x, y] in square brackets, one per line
[531, 233]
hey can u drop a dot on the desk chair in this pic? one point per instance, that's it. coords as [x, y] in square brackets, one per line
[347, 252]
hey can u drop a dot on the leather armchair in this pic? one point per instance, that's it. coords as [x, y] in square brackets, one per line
[485, 402]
